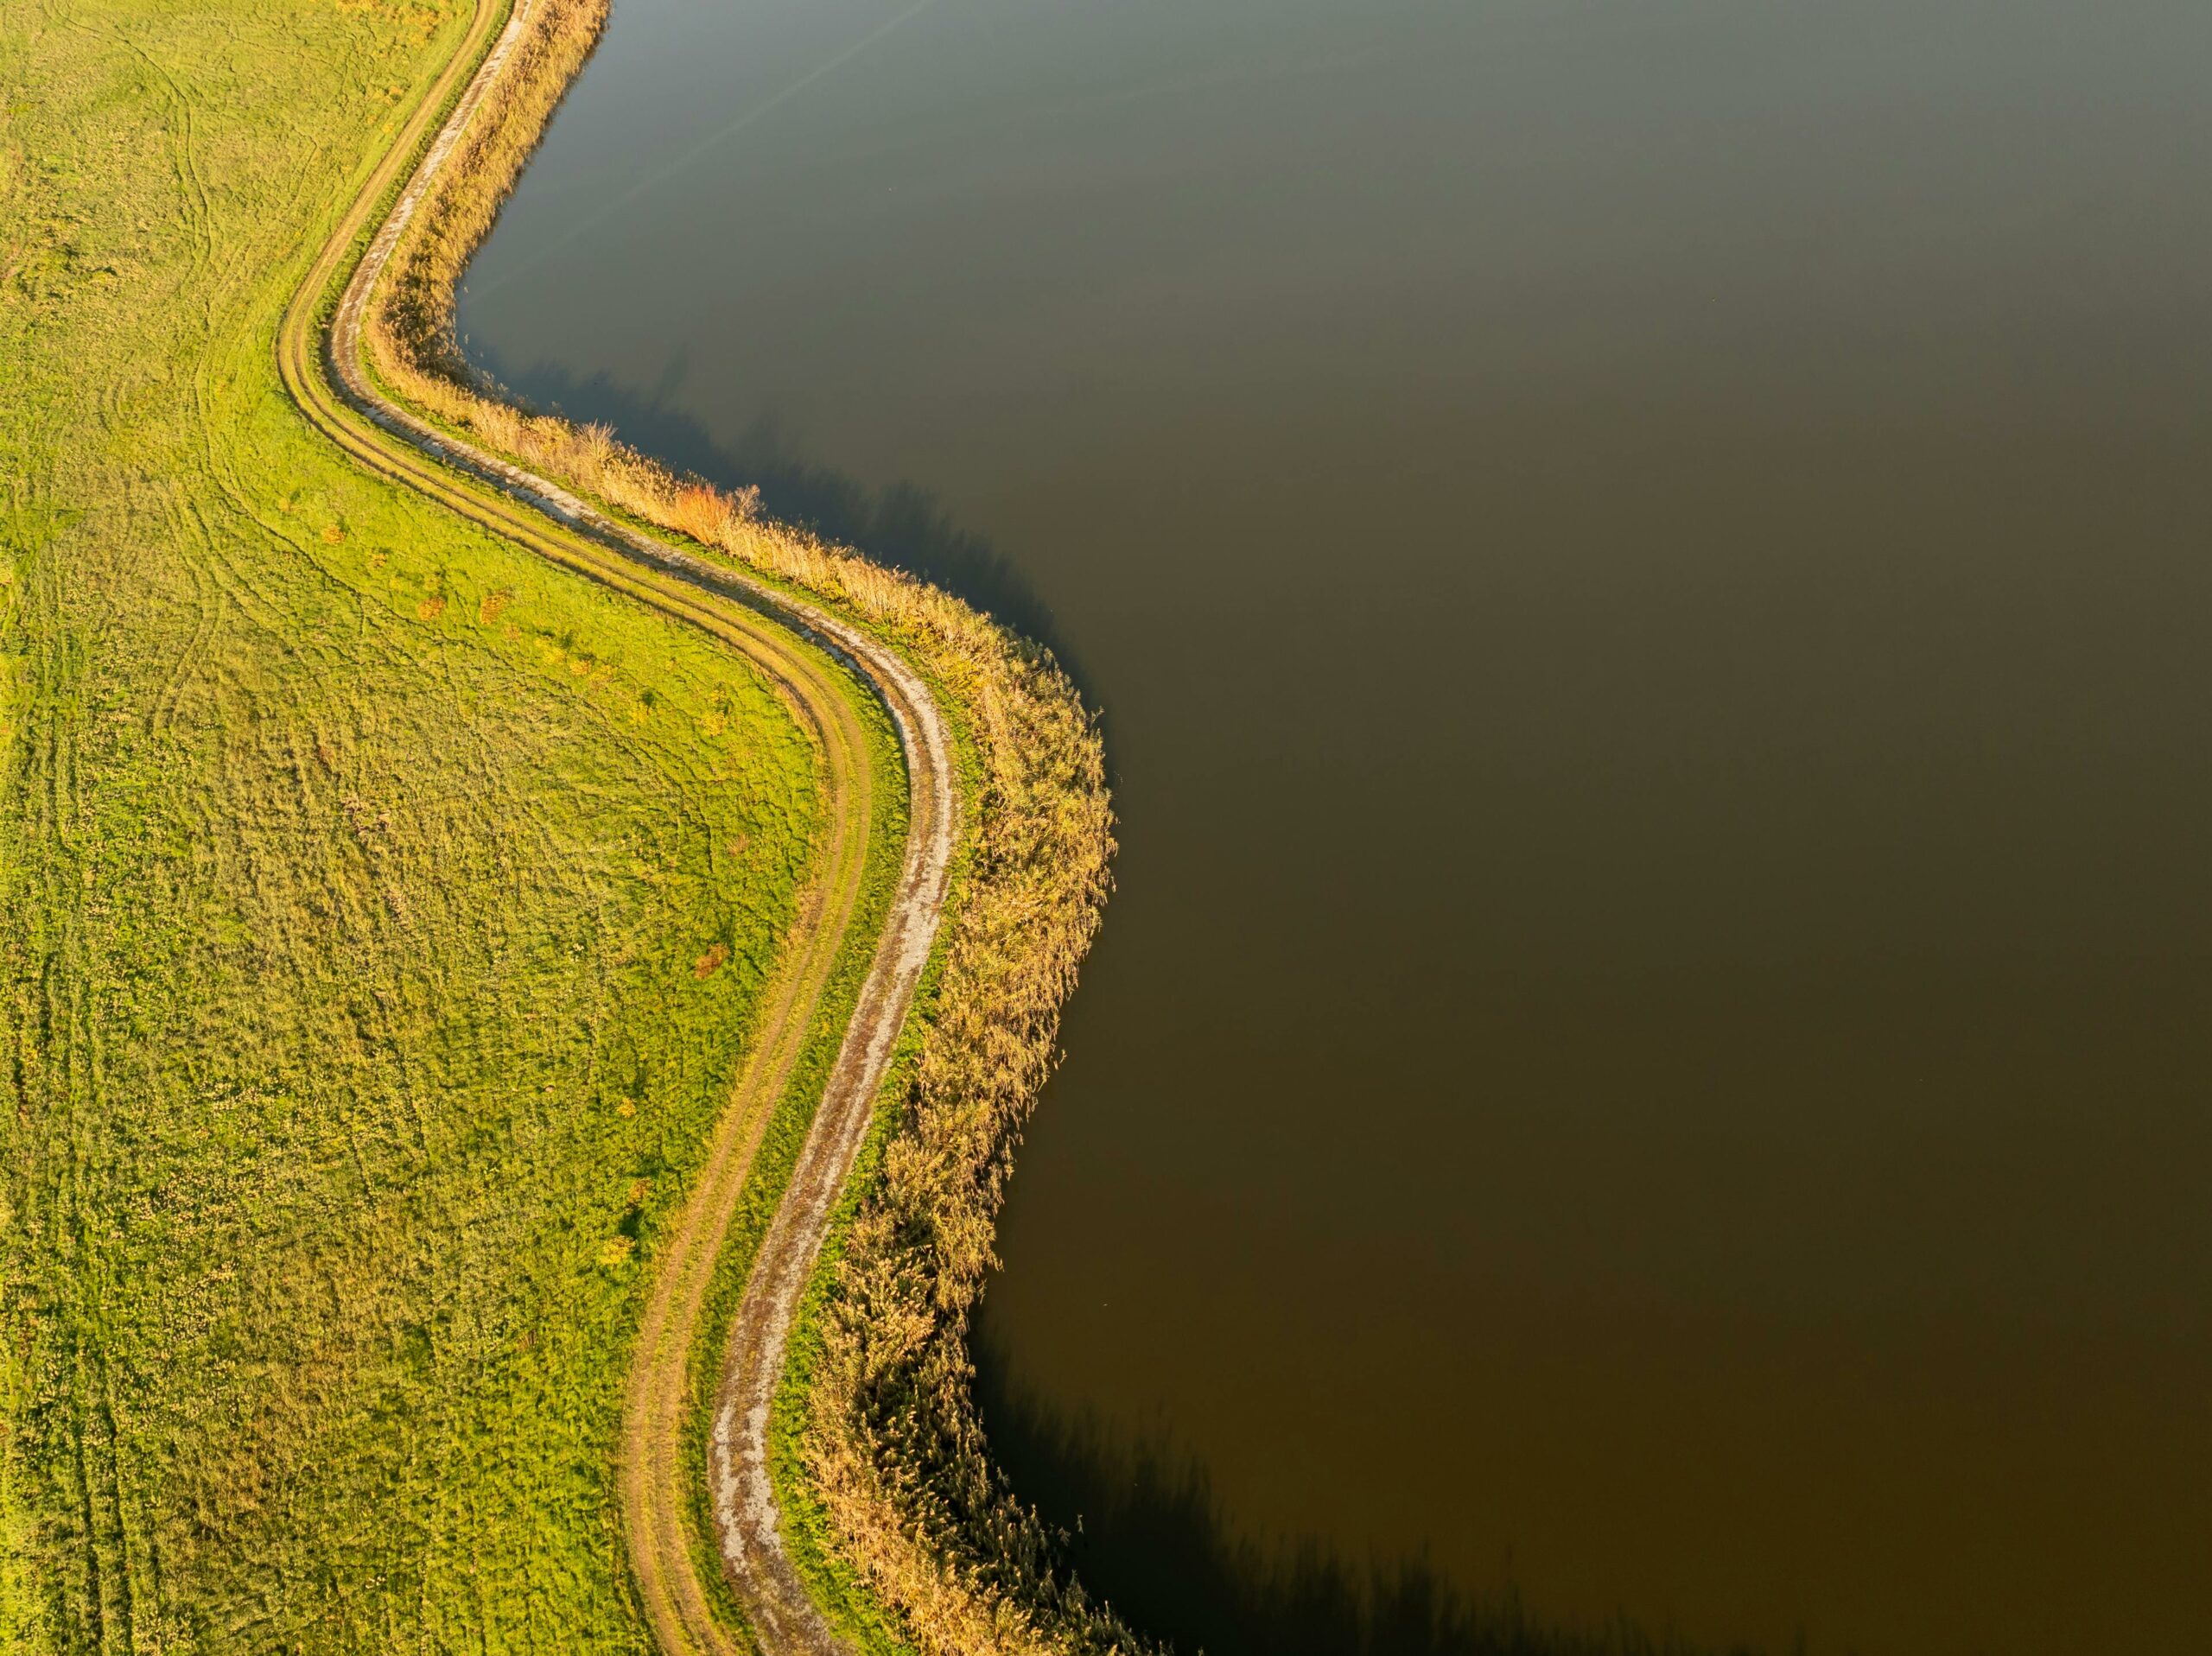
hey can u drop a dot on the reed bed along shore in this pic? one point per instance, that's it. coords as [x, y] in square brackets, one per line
[897, 1480]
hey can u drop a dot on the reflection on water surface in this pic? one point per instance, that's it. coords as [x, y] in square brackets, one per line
[1651, 570]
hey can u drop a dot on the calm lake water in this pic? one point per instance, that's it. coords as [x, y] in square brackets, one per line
[1649, 565]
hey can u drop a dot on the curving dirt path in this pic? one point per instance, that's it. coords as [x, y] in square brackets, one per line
[804, 650]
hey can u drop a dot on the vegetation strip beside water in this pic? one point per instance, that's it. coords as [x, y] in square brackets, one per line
[888, 1363]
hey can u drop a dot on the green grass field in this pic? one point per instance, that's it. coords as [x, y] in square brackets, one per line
[383, 912]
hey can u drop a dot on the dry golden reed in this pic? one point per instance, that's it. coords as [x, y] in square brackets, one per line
[892, 1442]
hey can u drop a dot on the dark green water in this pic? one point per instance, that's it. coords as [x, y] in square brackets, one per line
[1649, 568]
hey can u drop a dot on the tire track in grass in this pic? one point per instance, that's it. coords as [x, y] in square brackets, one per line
[808, 653]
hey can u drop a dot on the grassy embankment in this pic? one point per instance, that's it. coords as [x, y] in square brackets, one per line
[893, 1508]
[386, 913]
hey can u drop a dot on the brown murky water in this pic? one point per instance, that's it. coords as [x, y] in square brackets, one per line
[1649, 567]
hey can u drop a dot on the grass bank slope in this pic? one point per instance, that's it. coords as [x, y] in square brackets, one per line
[385, 913]
[903, 1529]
